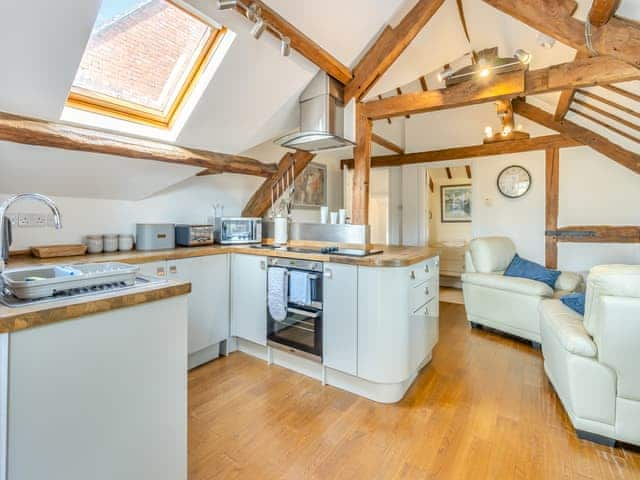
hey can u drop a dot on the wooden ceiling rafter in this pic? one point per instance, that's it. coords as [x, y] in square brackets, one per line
[304, 45]
[610, 103]
[622, 92]
[606, 125]
[463, 20]
[474, 151]
[566, 97]
[607, 114]
[602, 11]
[31, 131]
[388, 47]
[389, 145]
[624, 157]
[585, 72]
[619, 38]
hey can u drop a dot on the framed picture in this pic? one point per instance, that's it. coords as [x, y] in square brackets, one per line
[455, 203]
[311, 187]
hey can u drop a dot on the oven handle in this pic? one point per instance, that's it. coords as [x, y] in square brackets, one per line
[304, 313]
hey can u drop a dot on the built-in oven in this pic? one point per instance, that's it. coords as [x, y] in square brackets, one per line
[300, 332]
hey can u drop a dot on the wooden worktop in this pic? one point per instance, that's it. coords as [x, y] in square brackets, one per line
[392, 256]
[21, 318]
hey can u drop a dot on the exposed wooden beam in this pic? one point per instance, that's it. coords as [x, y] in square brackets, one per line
[552, 205]
[458, 153]
[463, 20]
[30, 131]
[448, 170]
[602, 234]
[606, 101]
[607, 114]
[303, 44]
[605, 125]
[468, 170]
[383, 142]
[621, 91]
[602, 11]
[619, 38]
[388, 47]
[362, 168]
[260, 201]
[583, 135]
[579, 73]
[566, 97]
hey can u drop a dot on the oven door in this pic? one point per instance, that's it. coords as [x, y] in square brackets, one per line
[300, 332]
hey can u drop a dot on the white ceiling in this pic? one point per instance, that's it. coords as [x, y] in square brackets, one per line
[251, 99]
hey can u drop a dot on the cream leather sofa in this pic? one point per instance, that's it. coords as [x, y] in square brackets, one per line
[504, 303]
[594, 364]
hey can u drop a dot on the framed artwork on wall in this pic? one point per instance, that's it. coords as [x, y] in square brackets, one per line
[455, 203]
[311, 187]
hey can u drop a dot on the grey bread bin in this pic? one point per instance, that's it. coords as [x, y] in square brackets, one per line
[155, 236]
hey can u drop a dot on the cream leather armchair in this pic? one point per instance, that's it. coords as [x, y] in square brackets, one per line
[594, 364]
[504, 303]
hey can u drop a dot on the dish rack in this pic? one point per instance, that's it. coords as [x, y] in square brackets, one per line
[42, 282]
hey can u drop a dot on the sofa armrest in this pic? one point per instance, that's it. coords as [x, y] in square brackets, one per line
[566, 325]
[570, 282]
[508, 284]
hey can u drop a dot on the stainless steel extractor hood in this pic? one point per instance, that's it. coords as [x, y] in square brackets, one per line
[321, 117]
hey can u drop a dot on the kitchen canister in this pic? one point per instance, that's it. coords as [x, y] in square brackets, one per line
[110, 243]
[324, 214]
[94, 243]
[125, 242]
[281, 235]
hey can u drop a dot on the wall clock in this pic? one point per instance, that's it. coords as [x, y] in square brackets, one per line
[514, 181]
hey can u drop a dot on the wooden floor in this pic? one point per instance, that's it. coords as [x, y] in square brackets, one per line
[451, 295]
[481, 409]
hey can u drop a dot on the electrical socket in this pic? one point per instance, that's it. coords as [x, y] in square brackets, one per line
[30, 220]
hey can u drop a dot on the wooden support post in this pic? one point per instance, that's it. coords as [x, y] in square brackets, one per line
[552, 173]
[362, 168]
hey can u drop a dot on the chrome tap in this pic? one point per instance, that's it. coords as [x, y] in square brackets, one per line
[5, 229]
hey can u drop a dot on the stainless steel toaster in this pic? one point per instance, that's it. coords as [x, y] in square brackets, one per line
[155, 236]
[193, 235]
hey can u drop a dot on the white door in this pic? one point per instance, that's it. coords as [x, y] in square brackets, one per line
[340, 317]
[154, 269]
[209, 298]
[249, 297]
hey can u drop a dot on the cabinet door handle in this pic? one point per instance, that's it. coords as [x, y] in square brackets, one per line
[328, 273]
[263, 265]
[173, 269]
[160, 272]
[426, 268]
[426, 290]
[412, 275]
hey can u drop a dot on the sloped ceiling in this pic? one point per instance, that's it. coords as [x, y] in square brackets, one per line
[253, 96]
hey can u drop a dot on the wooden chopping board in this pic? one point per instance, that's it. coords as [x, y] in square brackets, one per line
[53, 251]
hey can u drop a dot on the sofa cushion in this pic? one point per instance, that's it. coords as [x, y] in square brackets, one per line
[566, 325]
[508, 284]
[491, 254]
[570, 282]
[575, 301]
[519, 267]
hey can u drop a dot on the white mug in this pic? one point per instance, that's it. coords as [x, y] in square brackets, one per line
[334, 218]
[342, 216]
[324, 214]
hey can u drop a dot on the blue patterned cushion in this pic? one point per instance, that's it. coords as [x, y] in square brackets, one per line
[519, 267]
[575, 301]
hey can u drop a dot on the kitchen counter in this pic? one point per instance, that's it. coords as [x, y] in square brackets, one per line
[392, 256]
[21, 318]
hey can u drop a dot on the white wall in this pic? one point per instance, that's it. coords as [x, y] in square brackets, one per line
[445, 232]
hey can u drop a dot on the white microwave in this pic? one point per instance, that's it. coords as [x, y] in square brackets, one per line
[231, 230]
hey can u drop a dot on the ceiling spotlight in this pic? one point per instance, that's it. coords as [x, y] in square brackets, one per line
[545, 41]
[523, 56]
[258, 28]
[446, 72]
[488, 132]
[227, 4]
[285, 46]
[253, 12]
[506, 131]
[485, 72]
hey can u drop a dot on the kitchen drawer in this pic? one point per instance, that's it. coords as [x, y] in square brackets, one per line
[421, 294]
[429, 309]
[420, 272]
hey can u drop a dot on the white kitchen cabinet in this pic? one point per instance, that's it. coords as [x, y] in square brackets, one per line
[249, 297]
[154, 269]
[209, 298]
[340, 318]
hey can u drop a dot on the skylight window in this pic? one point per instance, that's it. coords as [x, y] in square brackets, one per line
[143, 61]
